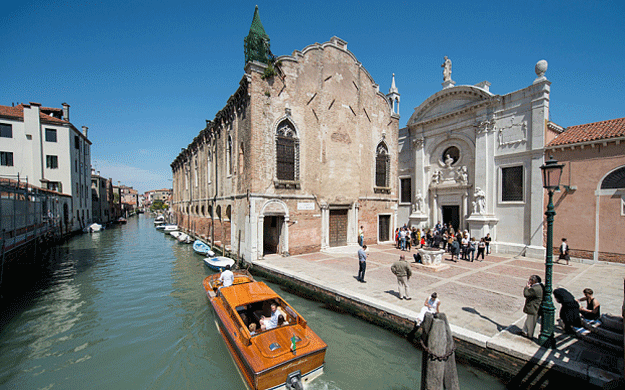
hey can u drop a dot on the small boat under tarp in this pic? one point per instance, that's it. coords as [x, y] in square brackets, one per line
[94, 227]
[184, 238]
[202, 248]
[284, 357]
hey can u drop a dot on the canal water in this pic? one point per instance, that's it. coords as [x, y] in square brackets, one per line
[125, 309]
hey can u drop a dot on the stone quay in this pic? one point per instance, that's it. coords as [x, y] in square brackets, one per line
[483, 301]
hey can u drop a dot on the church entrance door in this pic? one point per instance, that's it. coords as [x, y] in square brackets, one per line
[271, 234]
[451, 214]
[338, 227]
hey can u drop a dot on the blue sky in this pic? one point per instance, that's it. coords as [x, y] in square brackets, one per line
[144, 76]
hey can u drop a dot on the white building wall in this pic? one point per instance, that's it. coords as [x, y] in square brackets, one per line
[491, 132]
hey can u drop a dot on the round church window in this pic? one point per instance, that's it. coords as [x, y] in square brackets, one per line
[450, 155]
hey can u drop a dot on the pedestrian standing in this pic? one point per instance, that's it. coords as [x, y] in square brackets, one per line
[402, 270]
[564, 252]
[361, 236]
[455, 249]
[481, 248]
[487, 240]
[362, 263]
[464, 245]
[471, 248]
[533, 294]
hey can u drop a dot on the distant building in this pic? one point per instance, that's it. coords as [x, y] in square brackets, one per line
[129, 199]
[303, 153]
[101, 198]
[472, 158]
[40, 144]
[590, 207]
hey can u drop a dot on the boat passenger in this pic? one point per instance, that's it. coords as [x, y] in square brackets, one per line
[227, 277]
[281, 320]
[252, 328]
[271, 322]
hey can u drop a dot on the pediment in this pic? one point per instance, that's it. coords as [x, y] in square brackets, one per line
[449, 102]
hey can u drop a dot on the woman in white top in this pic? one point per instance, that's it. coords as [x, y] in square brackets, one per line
[431, 305]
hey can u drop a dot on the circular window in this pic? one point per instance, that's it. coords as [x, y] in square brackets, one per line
[450, 155]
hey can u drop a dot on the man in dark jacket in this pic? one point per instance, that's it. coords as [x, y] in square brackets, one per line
[533, 294]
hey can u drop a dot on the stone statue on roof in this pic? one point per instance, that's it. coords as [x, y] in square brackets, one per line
[446, 69]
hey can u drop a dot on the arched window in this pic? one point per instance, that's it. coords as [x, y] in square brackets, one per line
[382, 165]
[287, 152]
[229, 155]
[614, 180]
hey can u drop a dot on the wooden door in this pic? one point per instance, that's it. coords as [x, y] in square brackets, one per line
[338, 227]
[383, 228]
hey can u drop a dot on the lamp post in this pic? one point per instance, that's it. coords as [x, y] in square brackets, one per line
[552, 171]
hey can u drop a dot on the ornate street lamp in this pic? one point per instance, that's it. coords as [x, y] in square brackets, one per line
[552, 171]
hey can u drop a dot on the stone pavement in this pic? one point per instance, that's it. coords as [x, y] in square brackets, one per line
[482, 300]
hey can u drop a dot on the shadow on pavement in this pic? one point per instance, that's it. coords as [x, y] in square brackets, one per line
[473, 311]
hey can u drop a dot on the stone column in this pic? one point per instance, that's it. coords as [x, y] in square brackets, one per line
[260, 238]
[325, 226]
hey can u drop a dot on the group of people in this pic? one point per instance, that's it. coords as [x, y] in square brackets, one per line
[458, 243]
[571, 314]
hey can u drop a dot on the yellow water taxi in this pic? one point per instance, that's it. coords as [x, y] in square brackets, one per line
[282, 357]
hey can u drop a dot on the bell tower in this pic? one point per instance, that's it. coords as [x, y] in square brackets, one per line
[256, 44]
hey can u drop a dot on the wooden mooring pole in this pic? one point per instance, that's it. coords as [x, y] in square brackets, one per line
[438, 369]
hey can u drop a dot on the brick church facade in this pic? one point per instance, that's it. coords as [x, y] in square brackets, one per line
[302, 155]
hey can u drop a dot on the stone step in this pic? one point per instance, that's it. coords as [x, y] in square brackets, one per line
[597, 329]
[612, 322]
[591, 337]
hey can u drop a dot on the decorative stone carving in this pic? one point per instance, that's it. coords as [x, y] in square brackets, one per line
[449, 175]
[432, 259]
[462, 176]
[418, 205]
[540, 69]
[513, 133]
[446, 69]
[417, 143]
[479, 202]
[436, 178]
[447, 81]
[485, 126]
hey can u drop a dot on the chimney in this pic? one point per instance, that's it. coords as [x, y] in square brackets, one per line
[65, 112]
[84, 131]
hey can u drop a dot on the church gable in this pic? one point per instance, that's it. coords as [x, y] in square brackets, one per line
[450, 102]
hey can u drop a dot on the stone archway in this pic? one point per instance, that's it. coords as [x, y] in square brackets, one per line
[273, 228]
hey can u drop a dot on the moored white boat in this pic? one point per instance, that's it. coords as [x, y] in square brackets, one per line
[171, 228]
[218, 263]
[184, 238]
[159, 220]
[175, 234]
[94, 227]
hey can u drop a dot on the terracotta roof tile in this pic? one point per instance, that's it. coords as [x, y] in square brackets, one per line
[18, 112]
[591, 132]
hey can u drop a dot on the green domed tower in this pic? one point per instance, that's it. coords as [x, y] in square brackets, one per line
[256, 44]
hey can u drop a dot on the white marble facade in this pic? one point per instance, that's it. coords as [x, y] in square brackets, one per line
[474, 158]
